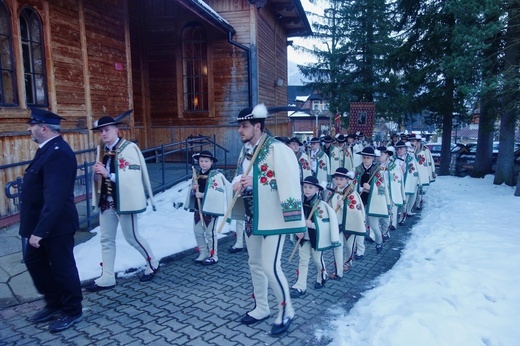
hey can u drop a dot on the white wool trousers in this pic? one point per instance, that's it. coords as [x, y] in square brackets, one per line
[206, 238]
[306, 252]
[108, 221]
[265, 254]
[239, 229]
[373, 222]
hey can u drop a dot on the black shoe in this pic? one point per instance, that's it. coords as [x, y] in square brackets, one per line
[379, 248]
[359, 257]
[209, 261]
[64, 322]
[319, 285]
[278, 329]
[333, 276]
[248, 319]
[297, 293]
[235, 249]
[44, 315]
[403, 219]
[150, 276]
[386, 237]
[95, 288]
[391, 228]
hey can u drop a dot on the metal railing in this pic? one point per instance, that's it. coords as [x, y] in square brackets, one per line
[175, 156]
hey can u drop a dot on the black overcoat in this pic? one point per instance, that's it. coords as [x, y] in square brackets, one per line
[47, 206]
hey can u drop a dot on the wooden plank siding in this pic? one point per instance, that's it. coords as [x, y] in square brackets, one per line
[272, 66]
[104, 57]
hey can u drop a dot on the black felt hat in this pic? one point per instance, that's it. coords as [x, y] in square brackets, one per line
[295, 140]
[312, 181]
[42, 116]
[400, 144]
[259, 112]
[205, 153]
[105, 121]
[341, 139]
[327, 139]
[315, 140]
[367, 151]
[344, 173]
[386, 150]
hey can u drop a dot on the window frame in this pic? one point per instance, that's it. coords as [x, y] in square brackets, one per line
[31, 71]
[10, 56]
[195, 69]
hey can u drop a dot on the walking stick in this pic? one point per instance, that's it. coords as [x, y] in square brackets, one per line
[99, 181]
[346, 193]
[314, 207]
[237, 193]
[195, 181]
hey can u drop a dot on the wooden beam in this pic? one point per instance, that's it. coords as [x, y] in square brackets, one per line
[86, 76]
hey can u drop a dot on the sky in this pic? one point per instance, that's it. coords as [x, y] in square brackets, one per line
[457, 281]
[299, 57]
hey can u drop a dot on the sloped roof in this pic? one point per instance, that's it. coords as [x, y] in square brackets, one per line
[202, 9]
[290, 14]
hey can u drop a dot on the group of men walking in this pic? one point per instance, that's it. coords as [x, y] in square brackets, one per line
[329, 195]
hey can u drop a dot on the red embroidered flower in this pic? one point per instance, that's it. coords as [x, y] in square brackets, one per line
[270, 174]
[263, 168]
[123, 163]
[263, 180]
[351, 206]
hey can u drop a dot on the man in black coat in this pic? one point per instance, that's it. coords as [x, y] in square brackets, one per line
[49, 219]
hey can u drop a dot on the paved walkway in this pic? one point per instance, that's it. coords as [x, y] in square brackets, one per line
[189, 304]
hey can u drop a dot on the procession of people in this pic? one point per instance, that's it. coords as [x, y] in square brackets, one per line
[330, 194]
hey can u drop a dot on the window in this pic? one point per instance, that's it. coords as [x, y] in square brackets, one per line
[33, 58]
[195, 68]
[7, 80]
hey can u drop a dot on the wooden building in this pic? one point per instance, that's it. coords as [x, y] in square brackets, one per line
[314, 119]
[184, 66]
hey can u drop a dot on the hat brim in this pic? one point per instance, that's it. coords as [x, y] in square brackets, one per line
[313, 184]
[341, 175]
[198, 156]
[114, 123]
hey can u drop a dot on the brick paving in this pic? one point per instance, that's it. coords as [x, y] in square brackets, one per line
[190, 304]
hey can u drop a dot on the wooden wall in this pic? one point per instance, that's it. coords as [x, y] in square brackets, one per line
[107, 56]
[83, 42]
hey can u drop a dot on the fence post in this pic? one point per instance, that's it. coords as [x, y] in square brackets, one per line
[163, 168]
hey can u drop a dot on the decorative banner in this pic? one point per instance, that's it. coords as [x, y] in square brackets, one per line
[362, 118]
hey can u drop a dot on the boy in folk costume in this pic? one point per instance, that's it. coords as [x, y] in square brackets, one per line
[337, 154]
[393, 177]
[320, 164]
[349, 161]
[123, 176]
[208, 199]
[424, 167]
[350, 213]
[322, 234]
[410, 177]
[303, 159]
[270, 199]
[373, 191]
[327, 144]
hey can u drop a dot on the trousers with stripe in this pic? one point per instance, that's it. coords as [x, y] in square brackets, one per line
[265, 254]
[109, 221]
